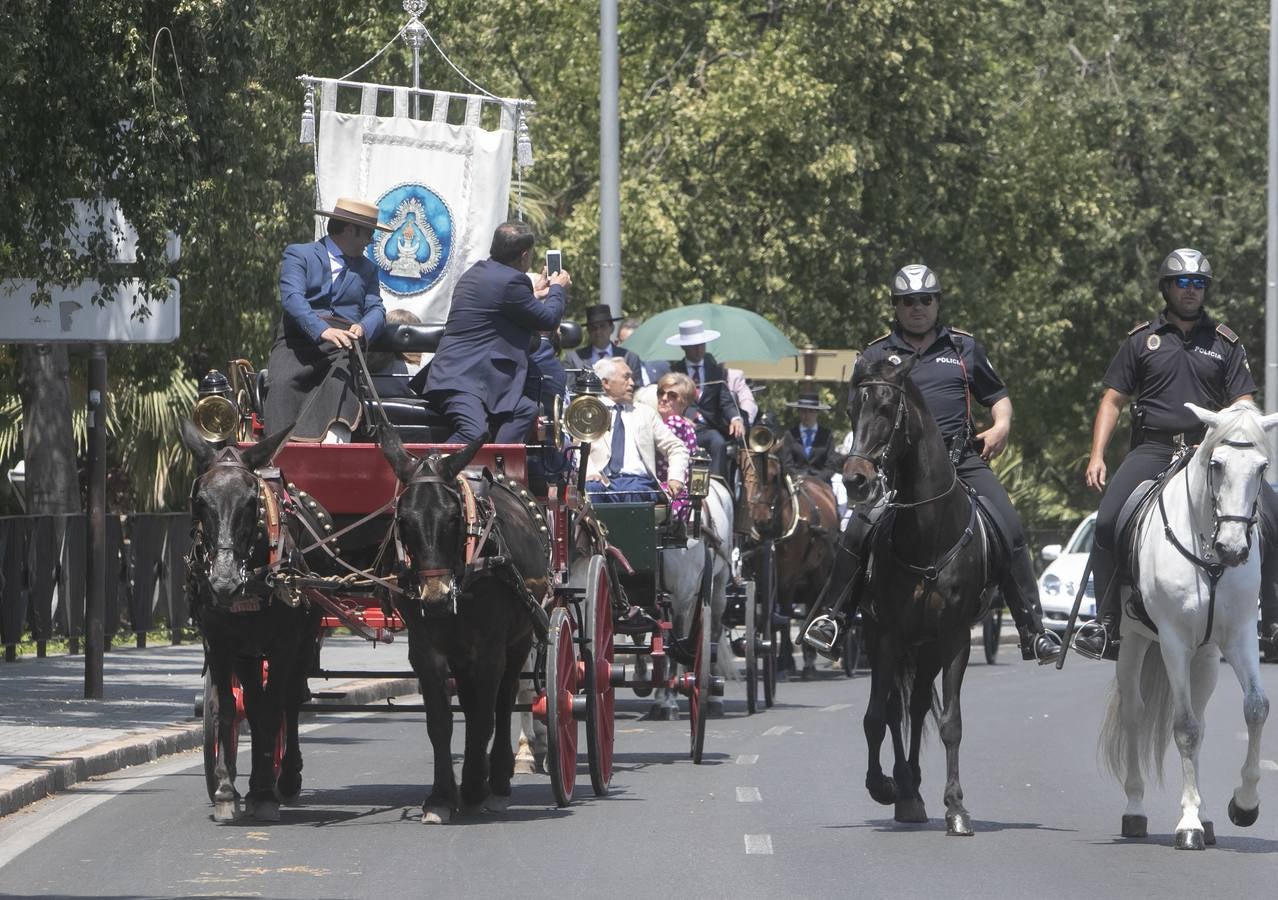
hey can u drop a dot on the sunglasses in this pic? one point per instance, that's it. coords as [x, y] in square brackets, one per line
[912, 299]
[1191, 281]
[668, 395]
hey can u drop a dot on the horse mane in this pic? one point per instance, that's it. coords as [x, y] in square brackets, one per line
[1240, 421]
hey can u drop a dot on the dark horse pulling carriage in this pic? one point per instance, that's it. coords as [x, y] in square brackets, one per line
[480, 564]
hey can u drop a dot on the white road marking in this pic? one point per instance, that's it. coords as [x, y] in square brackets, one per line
[749, 795]
[747, 759]
[837, 707]
[759, 843]
[775, 730]
[1269, 764]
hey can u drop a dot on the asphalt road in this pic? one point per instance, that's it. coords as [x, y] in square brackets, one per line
[777, 810]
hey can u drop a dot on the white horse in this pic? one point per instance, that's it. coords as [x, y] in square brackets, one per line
[1200, 583]
[681, 574]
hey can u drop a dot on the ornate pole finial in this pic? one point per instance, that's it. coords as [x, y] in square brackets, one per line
[415, 8]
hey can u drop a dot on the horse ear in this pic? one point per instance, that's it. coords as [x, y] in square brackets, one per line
[402, 463]
[1206, 416]
[455, 462]
[261, 453]
[194, 441]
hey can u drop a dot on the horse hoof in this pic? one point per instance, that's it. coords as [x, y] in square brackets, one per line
[525, 766]
[1243, 818]
[436, 815]
[958, 824]
[289, 788]
[1209, 834]
[226, 810]
[263, 810]
[497, 803]
[882, 790]
[1135, 826]
[1190, 839]
[911, 811]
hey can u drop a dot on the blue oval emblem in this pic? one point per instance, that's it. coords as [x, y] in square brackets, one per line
[414, 253]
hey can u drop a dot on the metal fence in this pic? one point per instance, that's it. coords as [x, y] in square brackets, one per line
[44, 569]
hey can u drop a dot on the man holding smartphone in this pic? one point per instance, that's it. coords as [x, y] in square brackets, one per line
[477, 376]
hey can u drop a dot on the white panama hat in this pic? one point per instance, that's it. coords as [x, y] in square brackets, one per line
[691, 333]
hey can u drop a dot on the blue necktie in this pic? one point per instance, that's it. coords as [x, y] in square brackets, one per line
[618, 453]
[808, 438]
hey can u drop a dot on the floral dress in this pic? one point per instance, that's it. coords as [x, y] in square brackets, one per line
[684, 430]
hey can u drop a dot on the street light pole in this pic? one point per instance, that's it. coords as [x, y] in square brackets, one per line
[609, 161]
[1271, 236]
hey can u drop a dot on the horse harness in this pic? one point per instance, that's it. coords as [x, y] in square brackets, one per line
[482, 549]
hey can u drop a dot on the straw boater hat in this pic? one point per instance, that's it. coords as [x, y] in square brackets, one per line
[601, 312]
[357, 212]
[691, 333]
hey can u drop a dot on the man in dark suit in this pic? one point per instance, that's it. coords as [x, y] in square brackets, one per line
[808, 448]
[477, 376]
[331, 298]
[599, 321]
[715, 415]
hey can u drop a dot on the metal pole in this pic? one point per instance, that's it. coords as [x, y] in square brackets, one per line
[95, 596]
[609, 161]
[1271, 237]
[415, 36]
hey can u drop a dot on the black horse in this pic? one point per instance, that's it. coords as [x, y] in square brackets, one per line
[929, 579]
[243, 531]
[477, 563]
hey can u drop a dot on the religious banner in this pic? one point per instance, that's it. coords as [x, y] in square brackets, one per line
[442, 188]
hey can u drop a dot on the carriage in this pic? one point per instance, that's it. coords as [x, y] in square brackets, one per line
[604, 560]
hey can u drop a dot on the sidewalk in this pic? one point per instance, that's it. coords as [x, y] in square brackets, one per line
[51, 737]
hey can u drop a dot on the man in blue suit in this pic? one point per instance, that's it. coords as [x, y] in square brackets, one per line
[477, 376]
[331, 298]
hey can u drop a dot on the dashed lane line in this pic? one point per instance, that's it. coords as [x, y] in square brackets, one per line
[760, 844]
[1269, 764]
[747, 759]
[749, 795]
[837, 707]
[776, 729]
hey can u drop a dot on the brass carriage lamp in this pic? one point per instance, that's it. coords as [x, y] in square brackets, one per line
[215, 414]
[699, 475]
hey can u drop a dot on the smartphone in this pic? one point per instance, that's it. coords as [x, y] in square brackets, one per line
[554, 261]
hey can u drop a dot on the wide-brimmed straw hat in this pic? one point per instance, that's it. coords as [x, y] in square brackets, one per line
[357, 212]
[691, 333]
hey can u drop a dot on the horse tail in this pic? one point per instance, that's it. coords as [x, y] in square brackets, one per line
[1154, 722]
[906, 674]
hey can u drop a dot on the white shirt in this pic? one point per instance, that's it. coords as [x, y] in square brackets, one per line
[631, 463]
[336, 262]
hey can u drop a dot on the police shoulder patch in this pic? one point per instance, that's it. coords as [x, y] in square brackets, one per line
[1140, 327]
[1227, 333]
[880, 339]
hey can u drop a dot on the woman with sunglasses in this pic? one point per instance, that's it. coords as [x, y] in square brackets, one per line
[953, 374]
[675, 393]
[1182, 356]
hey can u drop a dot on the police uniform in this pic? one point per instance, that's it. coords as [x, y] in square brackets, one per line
[1161, 368]
[951, 374]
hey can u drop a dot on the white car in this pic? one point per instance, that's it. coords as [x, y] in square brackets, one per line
[1058, 585]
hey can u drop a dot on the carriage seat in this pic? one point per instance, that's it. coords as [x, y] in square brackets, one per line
[414, 420]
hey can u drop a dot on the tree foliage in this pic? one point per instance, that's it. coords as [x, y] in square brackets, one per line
[785, 157]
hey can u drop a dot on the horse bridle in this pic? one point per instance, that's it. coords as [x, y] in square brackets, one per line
[473, 535]
[269, 524]
[879, 459]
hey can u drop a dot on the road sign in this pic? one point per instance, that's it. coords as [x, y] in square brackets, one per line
[74, 317]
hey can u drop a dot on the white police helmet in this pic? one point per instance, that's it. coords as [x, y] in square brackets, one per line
[915, 279]
[1185, 261]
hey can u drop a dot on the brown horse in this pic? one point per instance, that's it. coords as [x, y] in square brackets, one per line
[799, 518]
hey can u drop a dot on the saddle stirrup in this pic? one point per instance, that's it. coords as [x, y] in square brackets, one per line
[813, 637]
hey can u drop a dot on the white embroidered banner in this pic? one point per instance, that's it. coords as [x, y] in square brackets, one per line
[442, 188]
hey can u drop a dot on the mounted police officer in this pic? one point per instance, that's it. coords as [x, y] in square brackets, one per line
[952, 371]
[1182, 356]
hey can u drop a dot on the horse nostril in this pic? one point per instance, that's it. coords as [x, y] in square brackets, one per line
[855, 480]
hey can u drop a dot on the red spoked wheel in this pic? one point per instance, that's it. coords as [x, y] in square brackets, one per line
[701, 689]
[561, 726]
[598, 676]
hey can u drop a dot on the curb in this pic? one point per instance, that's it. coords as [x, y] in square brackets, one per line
[48, 777]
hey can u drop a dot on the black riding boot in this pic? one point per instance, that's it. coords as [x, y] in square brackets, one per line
[828, 618]
[1020, 590]
[1099, 639]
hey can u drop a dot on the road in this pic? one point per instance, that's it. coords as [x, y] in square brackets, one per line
[778, 810]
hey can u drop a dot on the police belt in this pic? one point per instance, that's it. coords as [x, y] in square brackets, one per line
[1171, 438]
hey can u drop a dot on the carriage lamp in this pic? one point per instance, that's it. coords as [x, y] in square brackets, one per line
[763, 434]
[215, 414]
[586, 418]
[699, 475]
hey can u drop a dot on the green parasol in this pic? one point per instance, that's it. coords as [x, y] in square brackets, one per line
[743, 335]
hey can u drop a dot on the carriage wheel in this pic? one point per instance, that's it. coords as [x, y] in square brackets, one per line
[992, 630]
[599, 691]
[768, 631]
[211, 717]
[699, 696]
[751, 641]
[561, 727]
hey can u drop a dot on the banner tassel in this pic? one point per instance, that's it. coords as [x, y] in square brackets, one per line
[308, 117]
[523, 143]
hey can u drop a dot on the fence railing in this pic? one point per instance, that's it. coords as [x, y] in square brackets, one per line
[44, 568]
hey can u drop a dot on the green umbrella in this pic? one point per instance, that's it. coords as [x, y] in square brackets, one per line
[743, 335]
